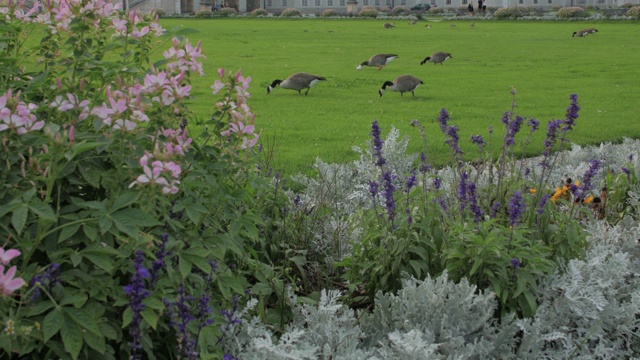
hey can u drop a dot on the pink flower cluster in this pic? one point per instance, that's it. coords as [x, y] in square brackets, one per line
[122, 29]
[163, 88]
[16, 115]
[162, 173]
[241, 125]
[169, 144]
[71, 102]
[8, 282]
[184, 57]
[124, 109]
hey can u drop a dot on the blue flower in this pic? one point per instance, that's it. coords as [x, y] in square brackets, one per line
[136, 292]
[572, 113]
[516, 208]
[377, 144]
[515, 263]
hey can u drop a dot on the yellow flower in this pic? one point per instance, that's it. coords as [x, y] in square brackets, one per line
[533, 191]
[588, 200]
[556, 195]
[37, 325]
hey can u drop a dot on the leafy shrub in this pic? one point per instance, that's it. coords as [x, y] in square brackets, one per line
[329, 12]
[227, 11]
[158, 12]
[259, 12]
[571, 12]
[436, 10]
[204, 13]
[512, 12]
[398, 10]
[634, 12]
[384, 9]
[289, 12]
[368, 11]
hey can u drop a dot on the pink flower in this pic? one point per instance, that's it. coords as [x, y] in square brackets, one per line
[9, 284]
[6, 256]
[217, 86]
[221, 73]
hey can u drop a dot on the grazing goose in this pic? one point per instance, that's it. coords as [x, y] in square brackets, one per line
[581, 33]
[437, 57]
[472, 26]
[389, 25]
[379, 60]
[592, 30]
[298, 81]
[403, 84]
[428, 26]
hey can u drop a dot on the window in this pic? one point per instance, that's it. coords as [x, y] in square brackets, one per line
[403, 2]
[342, 3]
[318, 3]
[600, 1]
[305, 2]
[535, 1]
[433, 2]
[550, 1]
[365, 2]
[464, 2]
[269, 3]
[389, 3]
[378, 2]
[448, 2]
[284, 2]
[521, 2]
[329, 2]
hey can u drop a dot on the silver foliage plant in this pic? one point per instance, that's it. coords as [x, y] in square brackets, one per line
[589, 308]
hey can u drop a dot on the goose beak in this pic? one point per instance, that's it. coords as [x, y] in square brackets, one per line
[269, 88]
[380, 92]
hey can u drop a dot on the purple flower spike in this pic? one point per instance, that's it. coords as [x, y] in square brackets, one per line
[494, 209]
[533, 124]
[387, 192]
[515, 263]
[543, 202]
[443, 119]
[136, 293]
[516, 208]
[377, 144]
[572, 113]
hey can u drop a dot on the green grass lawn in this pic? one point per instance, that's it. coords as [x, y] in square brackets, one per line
[539, 59]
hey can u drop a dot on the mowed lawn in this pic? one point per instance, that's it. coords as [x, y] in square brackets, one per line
[541, 60]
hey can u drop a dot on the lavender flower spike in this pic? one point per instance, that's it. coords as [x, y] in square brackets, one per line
[387, 192]
[377, 144]
[516, 208]
[136, 293]
[572, 113]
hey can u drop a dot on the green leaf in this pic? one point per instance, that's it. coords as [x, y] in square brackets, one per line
[76, 259]
[102, 261]
[94, 341]
[19, 217]
[71, 337]
[41, 307]
[184, 266]
[476, 265]
[127, 316]
[51, 324]
[124, 200]
[90, 231]
[129, 220]
[105, 224]
[67, 232]
[8, 208]
[77, 299]
[150, 317]
[80, 147]
[91, 174]
[83, 318]
[108, 331]
[43, 211]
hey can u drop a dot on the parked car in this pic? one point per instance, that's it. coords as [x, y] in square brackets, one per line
[421, 7]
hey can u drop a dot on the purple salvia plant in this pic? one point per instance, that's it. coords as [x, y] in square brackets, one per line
[136, 292]
[203, 308]
[533, 124]
[478, 213]
[424, 167]
[387, 193]
[437, 183]
[443, 204]
[48, 280]
[411, 182]
[572, 113]
[159, 263]
[627, 172]
[443, 120]
[180, 315]
[516, 208]
[377, 144]
[478, 140]
[453, 140]
[512, 129]
[515, 264]
[494, 209]
[543, 202]
[594, 166]
[373, 189]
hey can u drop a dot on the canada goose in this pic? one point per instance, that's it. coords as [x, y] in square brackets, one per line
[403, 84]
[428, 26]
[437, 57]
[298, 81]
[592, 30]
[452, 25]
[413, 22]
[581, 33]
[379, 60]
[389, 25]
[472, 26]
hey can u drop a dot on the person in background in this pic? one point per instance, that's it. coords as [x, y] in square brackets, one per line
[479, 6]
[470, 8]
[484, 7]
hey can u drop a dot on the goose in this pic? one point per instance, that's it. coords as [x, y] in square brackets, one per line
[389, 25]
[581, 33]
[437, 57]
[472, 26]
[452, 25]
[592, 30]
[428, 26]
[379, 60]
[403, 84]
[413, 22]
[298, 81]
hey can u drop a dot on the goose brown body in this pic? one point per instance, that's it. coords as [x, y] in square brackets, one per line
[379, 61]
[437, 58]
[402, 84]
[297, 81]
[581, 33]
